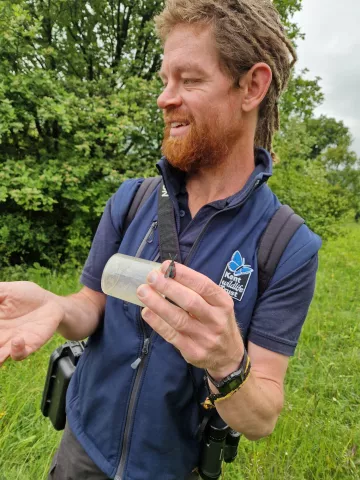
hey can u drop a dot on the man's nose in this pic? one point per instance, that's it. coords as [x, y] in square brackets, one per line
[169, 97]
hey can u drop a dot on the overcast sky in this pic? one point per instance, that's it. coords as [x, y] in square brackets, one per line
[331, 51]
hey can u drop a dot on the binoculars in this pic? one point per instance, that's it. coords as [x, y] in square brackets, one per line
[219, 444]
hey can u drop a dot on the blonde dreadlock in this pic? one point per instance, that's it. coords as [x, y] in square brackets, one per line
[246, 32]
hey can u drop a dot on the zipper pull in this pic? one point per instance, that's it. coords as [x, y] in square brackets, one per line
[144, 352]
[154, 226]
[145, 349]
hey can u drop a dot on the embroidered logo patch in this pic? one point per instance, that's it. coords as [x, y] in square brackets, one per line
[236, 277]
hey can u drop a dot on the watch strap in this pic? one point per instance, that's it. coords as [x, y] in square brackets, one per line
[231, 383]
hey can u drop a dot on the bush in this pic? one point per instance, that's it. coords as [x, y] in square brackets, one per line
[304, 186]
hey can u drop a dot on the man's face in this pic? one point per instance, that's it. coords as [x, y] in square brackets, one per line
[201, 105]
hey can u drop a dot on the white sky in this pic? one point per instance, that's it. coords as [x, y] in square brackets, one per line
[331, 50]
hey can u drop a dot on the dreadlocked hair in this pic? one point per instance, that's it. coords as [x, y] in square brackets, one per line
[246, 32]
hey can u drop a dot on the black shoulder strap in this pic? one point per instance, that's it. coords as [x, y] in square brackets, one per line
[144, 192]
[274, 241]
[168, 237]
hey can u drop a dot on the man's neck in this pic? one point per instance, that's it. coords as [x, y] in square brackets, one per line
[222, 181]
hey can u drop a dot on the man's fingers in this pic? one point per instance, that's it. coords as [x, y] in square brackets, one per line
[174, 316]
[18, 349]
[189, 349]
[183, 297]
[182, 343]
[160, 326]
[201, 284]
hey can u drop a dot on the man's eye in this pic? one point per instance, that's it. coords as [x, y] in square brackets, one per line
[189, 81]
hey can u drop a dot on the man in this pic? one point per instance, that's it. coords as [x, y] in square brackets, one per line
[225, 65]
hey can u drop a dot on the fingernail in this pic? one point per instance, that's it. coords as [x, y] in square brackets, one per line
[145, 313]
[142, 291]
[152, 277]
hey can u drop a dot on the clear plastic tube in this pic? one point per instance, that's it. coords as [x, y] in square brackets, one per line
[123, 275]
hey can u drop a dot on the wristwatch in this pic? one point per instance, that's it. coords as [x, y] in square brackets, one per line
[234, 380]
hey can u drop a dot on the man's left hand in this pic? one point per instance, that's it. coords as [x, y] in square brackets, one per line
[200, 323]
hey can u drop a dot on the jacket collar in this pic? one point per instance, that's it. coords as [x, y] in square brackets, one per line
[174, 179]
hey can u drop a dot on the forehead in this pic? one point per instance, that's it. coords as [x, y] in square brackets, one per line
[190, 47]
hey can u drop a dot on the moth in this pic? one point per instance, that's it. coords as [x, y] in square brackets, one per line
[171, 270]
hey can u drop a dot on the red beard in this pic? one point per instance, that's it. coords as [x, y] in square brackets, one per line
[201, 147]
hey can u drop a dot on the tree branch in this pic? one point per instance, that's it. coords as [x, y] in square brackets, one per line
[121, 34]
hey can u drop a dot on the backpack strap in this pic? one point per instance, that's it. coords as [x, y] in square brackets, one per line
[273, 243]
[145, 190]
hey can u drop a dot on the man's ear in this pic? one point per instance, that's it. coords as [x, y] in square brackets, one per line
[255, 85]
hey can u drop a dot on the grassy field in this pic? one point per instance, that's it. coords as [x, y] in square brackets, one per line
[318, 434]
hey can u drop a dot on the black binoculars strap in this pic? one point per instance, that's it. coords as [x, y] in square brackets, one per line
[170, 250]
[169, 242]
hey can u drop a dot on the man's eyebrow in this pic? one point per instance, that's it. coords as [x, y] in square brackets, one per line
[186, 67]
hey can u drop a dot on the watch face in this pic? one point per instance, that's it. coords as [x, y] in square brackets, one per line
[230, 385]
[234, 383]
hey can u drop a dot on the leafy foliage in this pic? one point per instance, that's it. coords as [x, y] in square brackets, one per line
[78, 115]
[304, 186]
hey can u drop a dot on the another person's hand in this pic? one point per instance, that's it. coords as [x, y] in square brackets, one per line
[29, 317]
[202, 324]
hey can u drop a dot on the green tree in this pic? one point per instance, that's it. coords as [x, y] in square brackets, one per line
[78, 116]
[333, 142]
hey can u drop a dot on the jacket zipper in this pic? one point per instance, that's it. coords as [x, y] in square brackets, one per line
[137, 365]
[149, 238]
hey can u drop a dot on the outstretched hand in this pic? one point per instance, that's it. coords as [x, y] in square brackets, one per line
[200, 322]
[29, 317]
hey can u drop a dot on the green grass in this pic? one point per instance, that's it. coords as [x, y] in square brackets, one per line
[318, 433]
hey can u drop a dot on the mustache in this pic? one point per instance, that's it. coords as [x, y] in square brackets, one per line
[177, 118]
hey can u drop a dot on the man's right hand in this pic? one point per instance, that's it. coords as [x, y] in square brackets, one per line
[29, 317]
